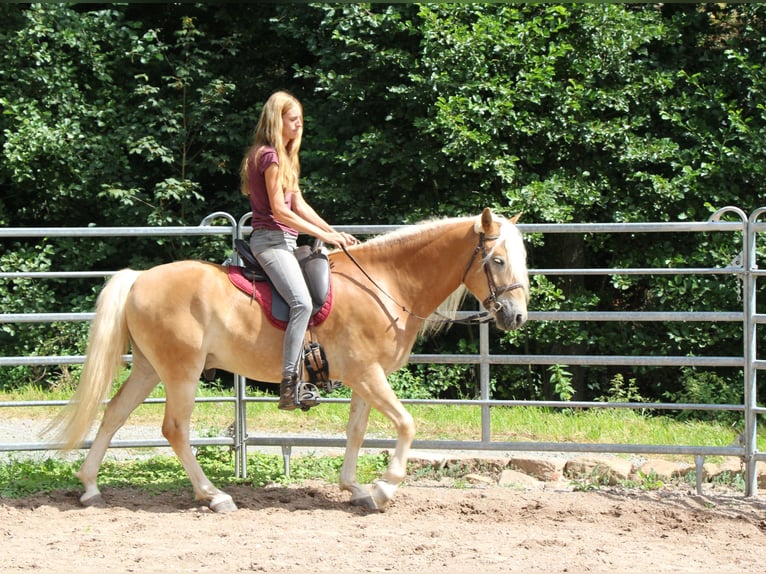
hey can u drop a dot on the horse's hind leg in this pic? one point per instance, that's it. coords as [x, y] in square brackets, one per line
[136, 388]
[175, 428]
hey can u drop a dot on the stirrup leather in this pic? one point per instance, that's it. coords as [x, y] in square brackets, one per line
[315, 365]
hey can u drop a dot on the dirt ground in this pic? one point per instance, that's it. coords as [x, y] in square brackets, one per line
[428, 528]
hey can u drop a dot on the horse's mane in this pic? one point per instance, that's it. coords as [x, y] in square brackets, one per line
[408, 232]
[508, 235]
[440, 319]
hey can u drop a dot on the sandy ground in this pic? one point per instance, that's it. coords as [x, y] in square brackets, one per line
[428, 528]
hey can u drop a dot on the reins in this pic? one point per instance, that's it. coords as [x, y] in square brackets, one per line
[480, 317]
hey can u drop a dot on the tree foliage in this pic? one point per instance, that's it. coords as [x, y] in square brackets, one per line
[138, 115]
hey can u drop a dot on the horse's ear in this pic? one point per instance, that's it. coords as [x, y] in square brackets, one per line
[486, 220]
[515, 218]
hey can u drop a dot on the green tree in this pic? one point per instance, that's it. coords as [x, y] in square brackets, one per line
[136, 114]
[61, 72]
[366, 158]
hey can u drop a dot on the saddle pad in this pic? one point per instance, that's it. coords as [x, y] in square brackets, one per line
[269, 299]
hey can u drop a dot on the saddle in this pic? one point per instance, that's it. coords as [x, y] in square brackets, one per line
[316, 270]
[252, 279]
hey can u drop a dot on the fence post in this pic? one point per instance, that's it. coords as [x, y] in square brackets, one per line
[750, 355]
[486, 432]
[239, 430]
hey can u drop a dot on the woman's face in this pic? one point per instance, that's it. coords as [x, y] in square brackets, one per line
[292, 124]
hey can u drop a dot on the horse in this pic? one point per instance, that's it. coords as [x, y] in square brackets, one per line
[184, 317]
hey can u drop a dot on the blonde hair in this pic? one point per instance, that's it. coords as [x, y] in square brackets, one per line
[268, 132]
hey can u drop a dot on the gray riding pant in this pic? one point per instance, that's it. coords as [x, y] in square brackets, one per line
[274, 251]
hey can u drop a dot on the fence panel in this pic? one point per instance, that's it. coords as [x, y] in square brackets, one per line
[744, 268]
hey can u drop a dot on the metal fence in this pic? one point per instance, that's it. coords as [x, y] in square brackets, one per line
[744, 268]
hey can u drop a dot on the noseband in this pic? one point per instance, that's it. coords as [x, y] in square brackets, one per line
[490, 303]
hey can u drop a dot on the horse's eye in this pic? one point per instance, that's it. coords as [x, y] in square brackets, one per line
[498, 261]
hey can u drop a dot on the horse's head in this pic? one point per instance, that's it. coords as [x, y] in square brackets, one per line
[497, 273]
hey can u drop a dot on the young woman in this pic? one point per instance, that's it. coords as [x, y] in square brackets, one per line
[269, 174]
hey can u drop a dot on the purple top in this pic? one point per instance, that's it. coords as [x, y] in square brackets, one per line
[263, 217]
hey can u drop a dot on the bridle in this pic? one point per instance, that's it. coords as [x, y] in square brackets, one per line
[490, 303]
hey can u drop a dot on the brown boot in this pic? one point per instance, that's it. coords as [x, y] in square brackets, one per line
[287, 393]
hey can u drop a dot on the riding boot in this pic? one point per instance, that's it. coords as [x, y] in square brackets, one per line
[287, 393]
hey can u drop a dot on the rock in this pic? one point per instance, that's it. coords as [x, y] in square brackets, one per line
[547, 470]
[662, 469]
[603, 470]
[760, 472]
[478, 478]
[515, 479]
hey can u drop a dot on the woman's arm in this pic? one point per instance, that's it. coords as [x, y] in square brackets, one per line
[302, 217]
[302, 208]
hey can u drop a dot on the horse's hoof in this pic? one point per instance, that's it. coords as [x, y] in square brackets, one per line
[366, 502]
[382, 492]
[222, 503]
[93, 501]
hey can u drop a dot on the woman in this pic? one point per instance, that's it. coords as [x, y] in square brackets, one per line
[269, 174]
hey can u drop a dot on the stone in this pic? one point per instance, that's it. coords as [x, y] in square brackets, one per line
[515, 479]
[760, 473]
[604, 470]
[542, 469]
[662, 469]
[472, 477]
[730, 466]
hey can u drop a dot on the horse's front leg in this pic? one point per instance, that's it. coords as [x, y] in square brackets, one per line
[377, 393]
[384, 488]
[357, 425]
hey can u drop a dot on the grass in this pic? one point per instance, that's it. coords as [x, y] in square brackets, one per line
[19, 477]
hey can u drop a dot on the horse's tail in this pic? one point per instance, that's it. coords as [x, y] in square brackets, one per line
[108, 341]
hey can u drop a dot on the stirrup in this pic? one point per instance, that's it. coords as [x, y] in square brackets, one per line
[306, 395]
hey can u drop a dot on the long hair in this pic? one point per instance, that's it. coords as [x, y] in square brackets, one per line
[268, 132]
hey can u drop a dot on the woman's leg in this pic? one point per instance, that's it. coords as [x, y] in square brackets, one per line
[285, 273]
[283, 269]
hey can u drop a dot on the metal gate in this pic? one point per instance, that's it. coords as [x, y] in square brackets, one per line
[744, 267]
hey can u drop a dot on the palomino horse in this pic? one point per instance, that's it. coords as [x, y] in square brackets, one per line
[184, 317]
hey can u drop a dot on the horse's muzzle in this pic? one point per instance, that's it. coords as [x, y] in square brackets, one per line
[509, 315]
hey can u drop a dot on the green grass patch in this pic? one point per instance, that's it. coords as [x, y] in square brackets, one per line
[22, 477]
[605, 425]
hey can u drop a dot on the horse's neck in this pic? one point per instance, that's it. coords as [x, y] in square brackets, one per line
[424, 268]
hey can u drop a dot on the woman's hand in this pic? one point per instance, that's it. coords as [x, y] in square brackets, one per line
[339, 239]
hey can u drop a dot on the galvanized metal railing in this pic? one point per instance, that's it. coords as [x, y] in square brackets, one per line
[744, 267]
